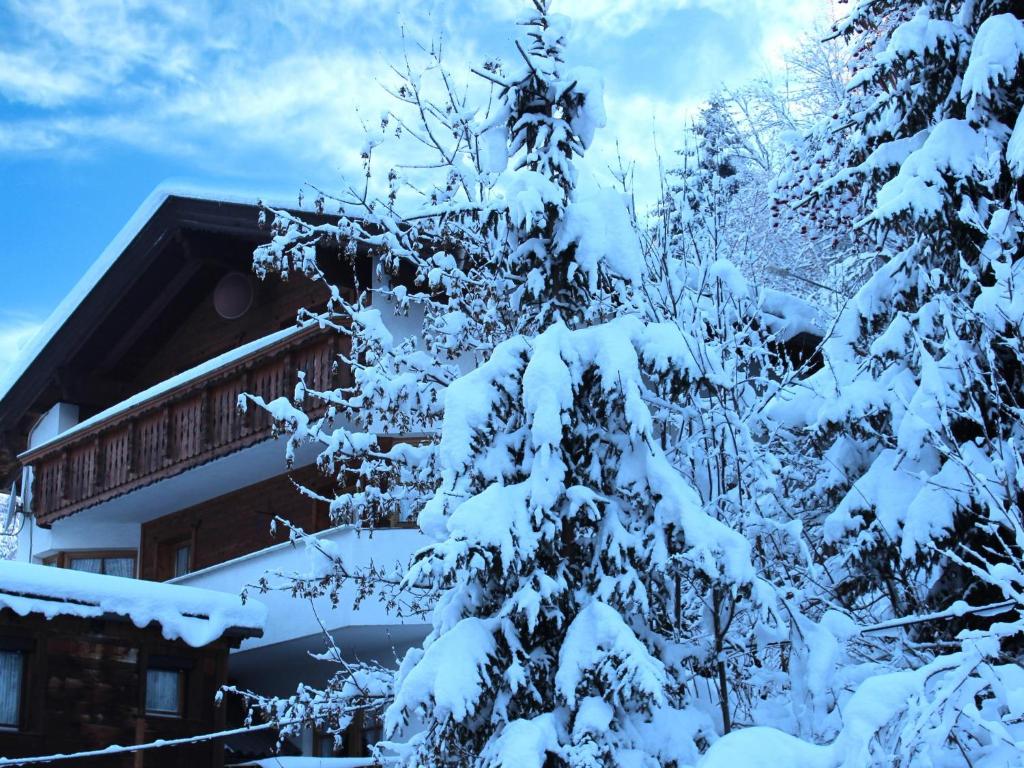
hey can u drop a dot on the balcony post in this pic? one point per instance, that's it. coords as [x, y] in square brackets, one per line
[243, 418]
[204, 420]
[94, 472]
[167, 446]
[101, 460]
[63, 475]
[130, 449]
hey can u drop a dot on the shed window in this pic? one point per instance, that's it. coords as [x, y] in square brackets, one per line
[87, 564]
[164, 688]
[119, 566]
[12, 670]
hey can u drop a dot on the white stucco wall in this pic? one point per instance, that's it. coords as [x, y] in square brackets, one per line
[75, 533]
[58, 419]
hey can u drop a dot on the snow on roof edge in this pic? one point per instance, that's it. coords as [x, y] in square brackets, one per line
[109, 256]
[191, 614]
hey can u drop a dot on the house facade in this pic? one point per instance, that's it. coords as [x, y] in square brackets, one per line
[121, 431]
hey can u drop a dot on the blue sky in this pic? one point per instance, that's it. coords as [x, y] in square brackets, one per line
[101, 100]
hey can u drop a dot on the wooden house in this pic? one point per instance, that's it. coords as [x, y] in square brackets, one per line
[121, 428]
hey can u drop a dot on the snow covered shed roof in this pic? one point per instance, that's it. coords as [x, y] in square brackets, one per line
[196, 616]
[300, 761]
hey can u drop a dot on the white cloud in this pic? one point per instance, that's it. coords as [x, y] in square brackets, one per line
[222, 85]
[29, 77]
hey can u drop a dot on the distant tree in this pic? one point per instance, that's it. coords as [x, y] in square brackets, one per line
[757, 147]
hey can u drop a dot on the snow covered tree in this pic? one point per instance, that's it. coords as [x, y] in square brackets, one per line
[740, 156]
[716, 436]
[918, 415]
[705, 193]
[440, 301]
[925, 358]
[817, 148]
[561, 525]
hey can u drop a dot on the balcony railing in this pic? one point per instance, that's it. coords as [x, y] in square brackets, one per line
[193, 421]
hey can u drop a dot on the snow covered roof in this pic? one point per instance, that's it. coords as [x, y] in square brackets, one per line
[196, 616]
[110, 255]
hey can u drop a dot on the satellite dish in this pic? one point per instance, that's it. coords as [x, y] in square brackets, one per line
[10, 509]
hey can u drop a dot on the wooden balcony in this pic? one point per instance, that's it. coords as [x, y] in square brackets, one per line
[179, 427]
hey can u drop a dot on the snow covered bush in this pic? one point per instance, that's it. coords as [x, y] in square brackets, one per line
[739, 645]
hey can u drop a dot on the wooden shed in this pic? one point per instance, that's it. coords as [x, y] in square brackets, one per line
[88, 661]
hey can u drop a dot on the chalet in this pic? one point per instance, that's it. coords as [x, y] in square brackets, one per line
[120, 428]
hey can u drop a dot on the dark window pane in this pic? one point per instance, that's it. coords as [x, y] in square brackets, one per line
[163, 691]
[11, 669]
[181, 560]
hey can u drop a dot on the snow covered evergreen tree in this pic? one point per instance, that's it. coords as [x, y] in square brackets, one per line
[926, 357]
[919, 416]
[561, 525]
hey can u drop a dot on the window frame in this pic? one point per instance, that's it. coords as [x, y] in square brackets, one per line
[24, 647]
[63, 558]
[180, 666]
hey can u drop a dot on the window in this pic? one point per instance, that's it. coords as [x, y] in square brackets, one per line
[113, 563]
[182, 560]
[12, 671]
[112, 566]
[87, 564]
[164, 691]
[327, 746]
